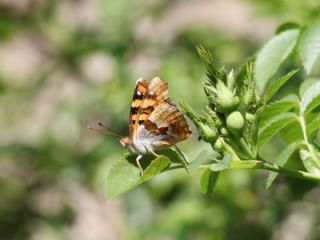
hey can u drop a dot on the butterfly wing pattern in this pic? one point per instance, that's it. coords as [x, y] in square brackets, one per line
[155, 122]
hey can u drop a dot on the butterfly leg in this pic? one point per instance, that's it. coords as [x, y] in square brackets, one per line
[151, 150]
[138, 163]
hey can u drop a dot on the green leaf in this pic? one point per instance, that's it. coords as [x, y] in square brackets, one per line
[306, 84]
[314, 125]
[123, 174]
[200, 158]
[309, 46]
[308, 162]
[281, 160]
[208, 181]
[275, 108]
[274, 126]
[212, 72]
[181, 158]
[155, 167]
[286, 26]
[291, 133]
[310, 99]
[223, 164]
[272, 55]
[276, 84]
[187, 110]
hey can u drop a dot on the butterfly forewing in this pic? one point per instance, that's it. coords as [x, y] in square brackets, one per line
[138, 97]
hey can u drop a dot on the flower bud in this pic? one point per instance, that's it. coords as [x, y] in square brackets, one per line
[218, 122]
[218, 145]
[236, 101]
[209, 134]
[225, 98]
[224, 132]
[235, 121]
[249, 117]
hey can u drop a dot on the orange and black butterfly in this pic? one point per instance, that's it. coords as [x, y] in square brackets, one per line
[155, 122]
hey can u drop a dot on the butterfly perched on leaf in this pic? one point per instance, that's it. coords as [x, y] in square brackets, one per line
[155, 122]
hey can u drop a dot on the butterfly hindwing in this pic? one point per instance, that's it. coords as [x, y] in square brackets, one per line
[161, 122]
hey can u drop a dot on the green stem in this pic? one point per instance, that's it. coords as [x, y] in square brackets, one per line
[257, 164]
[307, 143]
[246, 148]
[229, 149]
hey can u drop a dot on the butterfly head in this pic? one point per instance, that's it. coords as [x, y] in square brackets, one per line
[125, 141]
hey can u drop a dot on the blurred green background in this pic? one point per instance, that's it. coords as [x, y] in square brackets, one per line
[65, 64]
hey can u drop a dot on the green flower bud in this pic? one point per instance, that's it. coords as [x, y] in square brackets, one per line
[218, 122]
[250, 117]
[225, 96]
[235, 121]
[218, 145]
[209, 134]
[226, 101]
[224, 131]
[236, 101]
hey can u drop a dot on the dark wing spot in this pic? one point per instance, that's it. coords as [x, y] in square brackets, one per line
[163, 130]
[134, 110]
[136, 96]
[140, 122]
[147, 110]
[133, 121]
[150, 108]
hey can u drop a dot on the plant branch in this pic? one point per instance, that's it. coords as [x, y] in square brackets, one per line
[258, 164]
[306, 141]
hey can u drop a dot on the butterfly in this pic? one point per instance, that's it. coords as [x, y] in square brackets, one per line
[155, 122]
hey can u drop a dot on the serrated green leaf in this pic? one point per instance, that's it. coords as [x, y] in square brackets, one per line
[181, 158]
[275, 108]
[223, 164]
[123, 175]
[276, 84]
[199, 159]
[211, 69]
[309, 46]
[187, 110]
[272, 55]
[308, 162]
[310, 99]
[281, 160]
[208, 181]
[291, 133]
[286, 26]
[306, 84]
[155, 167]
[274, 126]
[314, 125]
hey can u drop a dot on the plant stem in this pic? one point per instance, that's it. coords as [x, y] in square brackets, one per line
[246, 148]
[229, 149]
[308, 145]
[258, 164]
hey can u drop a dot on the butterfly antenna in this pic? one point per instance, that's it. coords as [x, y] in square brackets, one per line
[108, 129]
[105, 130]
